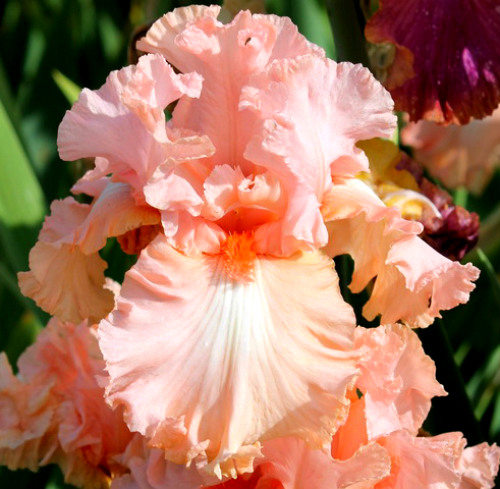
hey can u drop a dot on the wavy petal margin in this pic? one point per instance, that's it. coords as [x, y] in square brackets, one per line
[66, 276]
[208, 366]
[413, 281]
[225, 55]
[123, 122]
[398, 380]
[55, 412]
[313, 112]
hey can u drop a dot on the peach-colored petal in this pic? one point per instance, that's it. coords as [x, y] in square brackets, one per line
[89, 434]
[177, 187]
[123, 122]
[26, 416]
[426, 281]
[288, 463]
[113, 213]
[422, 461]
[291, 464]
[478, 466]
[305, 143]
[190, 352]
[146, 468]
[352, 435]
[58, 409]
[354, 216]
[257, 71]
[457, 155]
[238, 203]
[62, 279]
[439, 461]
[192, 39]
[66, 276]
[397, 379]
[413, 282]
[94, 181]
[67, 283]
[192, 235]
[311, 102]
[228, 190]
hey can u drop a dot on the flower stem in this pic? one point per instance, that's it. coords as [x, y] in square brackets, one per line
[453, 412]
[346, 21]
[489, 237]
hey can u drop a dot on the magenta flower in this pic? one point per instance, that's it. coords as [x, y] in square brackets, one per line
[446, 66]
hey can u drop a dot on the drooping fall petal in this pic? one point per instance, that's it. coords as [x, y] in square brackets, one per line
[452, 49]
[413, 281]
[397, 379]
[66, 276]
[212, 354]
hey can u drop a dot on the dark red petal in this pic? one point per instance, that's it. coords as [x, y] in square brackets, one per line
[456, 56]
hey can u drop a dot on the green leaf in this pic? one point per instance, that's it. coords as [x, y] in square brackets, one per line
[495, 422]
[490, 271]
[23, 335]
[22, 205]
[69, 88]
[347, 31]
[312, 20]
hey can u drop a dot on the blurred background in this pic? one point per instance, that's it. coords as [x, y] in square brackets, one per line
[50, 48]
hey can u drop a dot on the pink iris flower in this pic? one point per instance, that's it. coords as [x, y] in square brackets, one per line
[53, 411]
[230, 330]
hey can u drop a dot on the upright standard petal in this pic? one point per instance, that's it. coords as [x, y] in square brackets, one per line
[211, 354]
[313, 111]
[192, 39]
[452, 48]
[124, 123]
